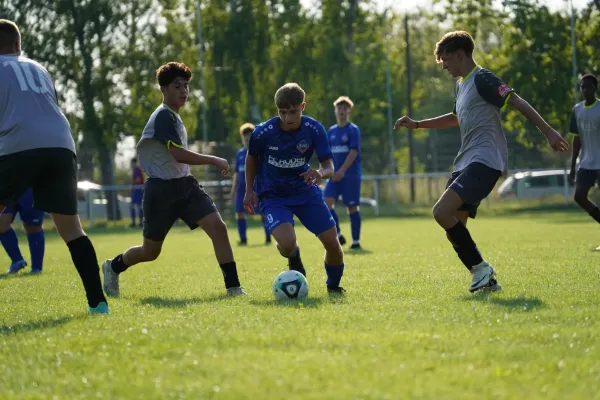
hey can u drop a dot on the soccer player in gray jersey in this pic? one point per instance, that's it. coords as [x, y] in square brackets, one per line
[585, 125]
[171, 192]
[482, 157]
[37, 150]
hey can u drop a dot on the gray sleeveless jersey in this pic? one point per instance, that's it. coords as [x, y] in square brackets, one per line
[585, 122]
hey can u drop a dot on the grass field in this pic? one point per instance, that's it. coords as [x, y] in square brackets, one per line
[407, 327]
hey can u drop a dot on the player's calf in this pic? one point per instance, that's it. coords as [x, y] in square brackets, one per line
[285, 236]
[334, 260]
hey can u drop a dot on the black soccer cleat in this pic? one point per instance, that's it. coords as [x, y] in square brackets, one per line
[242, 243]
[268, 242]
[355, 246]
[336, 289]
[295, 264]
[342, 239]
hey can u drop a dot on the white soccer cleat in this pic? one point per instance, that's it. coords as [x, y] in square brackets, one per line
[236, 291]
[111, 279]
[482, 273]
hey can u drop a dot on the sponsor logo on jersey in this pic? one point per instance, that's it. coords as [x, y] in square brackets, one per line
[273, 148]
[339, 149]
[291, 163]
[345, 138]
[302, 146]
[503, 90]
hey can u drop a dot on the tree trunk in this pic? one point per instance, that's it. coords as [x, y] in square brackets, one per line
[107, 178]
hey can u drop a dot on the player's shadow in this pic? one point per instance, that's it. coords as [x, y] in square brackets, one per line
[25, 327]
[313, 302]
[170, 302]
[18, 275]
[519, 303]
[357, 252]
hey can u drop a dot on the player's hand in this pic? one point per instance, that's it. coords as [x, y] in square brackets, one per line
[312, 177]
[556, 141]
[405, 122]
[223, 165]
[250, 201]
[338, 176]
[572, 176]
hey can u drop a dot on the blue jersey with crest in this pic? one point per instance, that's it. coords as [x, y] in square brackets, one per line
[282, 156]
[342, 140]
[240, 168]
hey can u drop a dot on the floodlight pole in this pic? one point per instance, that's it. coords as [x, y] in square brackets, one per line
[202, 83]
[574, 53]
[388, 84]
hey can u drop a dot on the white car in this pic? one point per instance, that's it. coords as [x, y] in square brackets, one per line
[536, 185]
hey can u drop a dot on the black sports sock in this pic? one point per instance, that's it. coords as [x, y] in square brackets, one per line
[230, 274]
[295, 262]
[84, 258]
[464, 245]
[462, 257]
[118, 265]
[595, 213]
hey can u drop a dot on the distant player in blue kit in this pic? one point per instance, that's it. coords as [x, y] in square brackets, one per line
[344, 140]
[238, 187]
[32, 222]
[281, 183]
[137, 193]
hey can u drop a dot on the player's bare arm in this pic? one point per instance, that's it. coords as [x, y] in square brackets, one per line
[316, 176]
[576, 149]
[234, 184]
[339, 174]
[184, 156]
[443, 121]
[554, 138]
[250, 198]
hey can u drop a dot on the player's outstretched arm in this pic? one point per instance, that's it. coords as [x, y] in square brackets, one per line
[443, 121]
[234, 184]
[184, 156]
[576, 149]
[554, 138]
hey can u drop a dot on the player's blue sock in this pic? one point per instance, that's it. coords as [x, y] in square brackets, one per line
[37, 243]
[132, 214]
[336, 219]
[242, 227]
[141, 214]
[11, 245]
[334, 274]
[355, 221]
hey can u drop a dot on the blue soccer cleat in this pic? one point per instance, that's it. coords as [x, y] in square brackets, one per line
[17, 266]
[101, 308]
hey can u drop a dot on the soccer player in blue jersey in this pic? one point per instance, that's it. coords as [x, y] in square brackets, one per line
[344, 139]
[32, 222]
[137, 193]
[281, 183]
[238, 187]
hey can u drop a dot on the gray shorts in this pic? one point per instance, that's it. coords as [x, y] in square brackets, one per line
[473, 184]
[165, 201]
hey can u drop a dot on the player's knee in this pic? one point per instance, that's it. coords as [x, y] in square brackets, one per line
[353, 209]
[240, 216]
[32, 229]
[218, 230]
[286, 246]
[151, 253]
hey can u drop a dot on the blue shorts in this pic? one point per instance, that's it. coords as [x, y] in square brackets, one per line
[27, 213]
[348, 188]
[137, 196]
[310, 209]
[239, 201]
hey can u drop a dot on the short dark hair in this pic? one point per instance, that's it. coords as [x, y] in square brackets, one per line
[591, 77]
[289, 95]
[9, 33]
[166, 74]
[247, 128]
[454, 41]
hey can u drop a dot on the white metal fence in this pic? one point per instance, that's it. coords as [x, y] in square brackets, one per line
[380, 193]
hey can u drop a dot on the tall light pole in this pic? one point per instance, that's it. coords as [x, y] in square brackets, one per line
[388, 84]
[574, 53]
[202, 82]
[411, 162]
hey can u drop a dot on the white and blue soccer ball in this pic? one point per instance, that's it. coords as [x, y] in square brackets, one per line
[290, 285]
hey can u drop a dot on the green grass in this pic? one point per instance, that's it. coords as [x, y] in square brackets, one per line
[407, 327]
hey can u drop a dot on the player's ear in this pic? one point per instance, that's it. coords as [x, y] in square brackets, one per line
[303, 106]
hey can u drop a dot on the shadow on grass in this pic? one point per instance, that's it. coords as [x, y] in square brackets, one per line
[357, 252]
[522, 303]
[18, 275]
[306, 303]
[170, 302]
[33, 326]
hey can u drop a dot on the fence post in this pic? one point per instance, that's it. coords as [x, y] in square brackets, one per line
[376, 195]
[90, 207]
[566, 185]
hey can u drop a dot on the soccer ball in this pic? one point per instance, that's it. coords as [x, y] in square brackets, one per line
[290, 285]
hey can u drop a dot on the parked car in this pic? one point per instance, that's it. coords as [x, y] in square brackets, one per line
[535, 185]
[91, 201]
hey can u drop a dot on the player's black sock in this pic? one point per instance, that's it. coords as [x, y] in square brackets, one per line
[595, 213]
[295, 262]
[84, 258]
[465, 246]
[230, 274]
[118, 265]
[462, 257]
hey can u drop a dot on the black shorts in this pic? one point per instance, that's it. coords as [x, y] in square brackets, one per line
[50, 172]
[473, 184]
[165, 201]
[587, 178]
